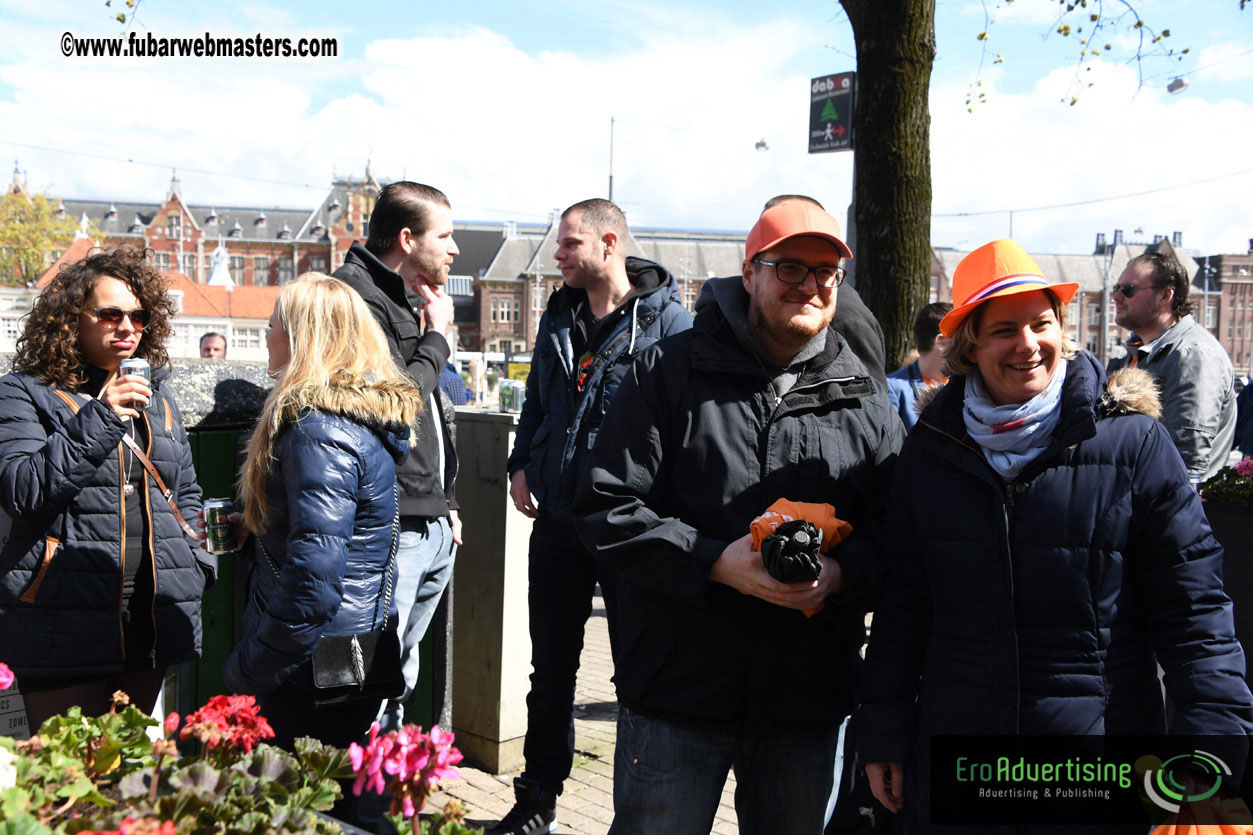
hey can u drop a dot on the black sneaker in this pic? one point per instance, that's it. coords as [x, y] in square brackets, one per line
[535, 812]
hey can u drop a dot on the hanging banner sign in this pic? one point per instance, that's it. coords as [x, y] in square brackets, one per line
[831, 99]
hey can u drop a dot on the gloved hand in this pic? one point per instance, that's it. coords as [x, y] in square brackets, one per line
[790, 553]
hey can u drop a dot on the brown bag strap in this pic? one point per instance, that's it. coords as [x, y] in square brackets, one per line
[166, 492]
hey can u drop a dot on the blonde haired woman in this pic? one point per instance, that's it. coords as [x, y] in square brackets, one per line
[319, 496]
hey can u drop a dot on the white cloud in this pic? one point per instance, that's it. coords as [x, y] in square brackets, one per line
[1226, 61]
[512, 134]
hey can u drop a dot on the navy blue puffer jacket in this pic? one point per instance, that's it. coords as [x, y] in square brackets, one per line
[61, 564]
[1043, 605]
[332, 498]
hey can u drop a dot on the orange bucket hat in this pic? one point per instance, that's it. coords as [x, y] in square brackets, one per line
[1001, 268]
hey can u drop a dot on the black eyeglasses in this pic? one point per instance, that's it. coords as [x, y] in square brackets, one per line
[794, 272]
[1129, 290]
[111, 317]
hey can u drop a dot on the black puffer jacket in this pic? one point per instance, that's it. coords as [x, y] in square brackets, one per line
[423, 356]
[695, 446]
[557, 427]
[60, 567]
[1044, 605]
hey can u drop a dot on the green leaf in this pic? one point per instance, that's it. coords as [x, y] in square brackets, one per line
[200, 779]
[23, 825]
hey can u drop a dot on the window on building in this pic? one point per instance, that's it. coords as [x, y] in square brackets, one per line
[537, 297]
[236, 266]
[517, 311]
[934, 293]
[246, 338]
[286, 270]
[318, 264]
[189, 265]
[506, 346]
[1094, 316]
[261, 270]
[174, 226]
[12, 327]
[208, 267]
[162, 261]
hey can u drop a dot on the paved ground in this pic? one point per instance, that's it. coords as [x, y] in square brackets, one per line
[586, 805]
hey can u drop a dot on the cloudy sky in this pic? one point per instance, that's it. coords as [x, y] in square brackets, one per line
[507, 107]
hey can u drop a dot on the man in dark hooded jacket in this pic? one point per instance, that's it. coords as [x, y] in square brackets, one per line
[609, 309]
[719, 665]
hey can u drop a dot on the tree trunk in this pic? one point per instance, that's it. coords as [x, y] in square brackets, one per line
[892, 186]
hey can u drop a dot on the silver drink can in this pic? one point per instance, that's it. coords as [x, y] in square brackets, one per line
[137, 367]
[219, 529]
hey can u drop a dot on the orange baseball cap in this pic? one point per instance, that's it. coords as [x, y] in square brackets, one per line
[789, 219]
[1001, 268]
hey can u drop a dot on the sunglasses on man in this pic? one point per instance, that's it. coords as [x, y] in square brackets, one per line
[1129, 290]
[111, 317]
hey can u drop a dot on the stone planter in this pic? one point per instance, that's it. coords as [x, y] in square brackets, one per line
[1233, 527]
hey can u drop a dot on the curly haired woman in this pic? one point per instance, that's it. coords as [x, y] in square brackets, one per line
[100, 584]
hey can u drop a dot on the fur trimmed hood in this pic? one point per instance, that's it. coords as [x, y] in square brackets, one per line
[1128, 391]
[373, 404]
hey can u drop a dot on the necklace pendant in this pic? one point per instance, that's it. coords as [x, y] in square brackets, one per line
[128, 488]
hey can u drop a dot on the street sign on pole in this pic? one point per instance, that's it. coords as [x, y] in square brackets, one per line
[831, 112]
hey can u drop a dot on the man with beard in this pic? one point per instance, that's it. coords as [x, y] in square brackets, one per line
[410, 245]
[1192, 369]
[610, 308]
[720, 665]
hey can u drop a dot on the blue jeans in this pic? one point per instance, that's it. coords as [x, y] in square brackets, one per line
[424, 559]
[669, 777]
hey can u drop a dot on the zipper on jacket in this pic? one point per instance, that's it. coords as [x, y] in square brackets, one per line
[121, 579]
[152, 550]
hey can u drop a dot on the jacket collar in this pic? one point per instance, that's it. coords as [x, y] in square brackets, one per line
[716, 349]
[1167, 339]
[383, 277]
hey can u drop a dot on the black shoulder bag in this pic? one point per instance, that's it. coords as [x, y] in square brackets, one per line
[365, 666]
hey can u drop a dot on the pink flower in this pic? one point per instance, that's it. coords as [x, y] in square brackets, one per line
[416, 762]
[1245, 467]
[6, 676]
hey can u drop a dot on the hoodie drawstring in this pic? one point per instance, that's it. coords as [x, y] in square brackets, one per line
[634, 311]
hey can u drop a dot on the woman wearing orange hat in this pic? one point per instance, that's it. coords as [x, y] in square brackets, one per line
[1045, 552]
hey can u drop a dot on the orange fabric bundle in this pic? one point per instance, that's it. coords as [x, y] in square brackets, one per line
[1210, 817]
[821, 516]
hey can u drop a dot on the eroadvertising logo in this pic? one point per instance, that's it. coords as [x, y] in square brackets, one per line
[1184, 778]
[1081, 779]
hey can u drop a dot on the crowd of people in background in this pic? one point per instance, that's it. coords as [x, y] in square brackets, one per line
[1021, 521]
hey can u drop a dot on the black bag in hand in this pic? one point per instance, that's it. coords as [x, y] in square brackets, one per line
[791, 552]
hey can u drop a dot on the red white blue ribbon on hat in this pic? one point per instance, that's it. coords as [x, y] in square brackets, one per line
[1005, 283]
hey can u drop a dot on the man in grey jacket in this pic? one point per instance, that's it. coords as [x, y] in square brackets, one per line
[1192, 369]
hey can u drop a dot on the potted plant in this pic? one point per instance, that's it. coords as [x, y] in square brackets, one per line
[1229, 506]
[105, 775]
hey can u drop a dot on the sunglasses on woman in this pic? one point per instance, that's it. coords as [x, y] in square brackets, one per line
[111, 317]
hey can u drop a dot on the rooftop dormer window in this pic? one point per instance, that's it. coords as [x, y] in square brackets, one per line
[284, 233]
[260, 221]
[237, 231]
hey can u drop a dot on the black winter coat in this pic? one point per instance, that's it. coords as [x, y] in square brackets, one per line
[558, 426]
[331, 492]
[423, 356]
[61, 564]
[695, 446]
[1044, 605]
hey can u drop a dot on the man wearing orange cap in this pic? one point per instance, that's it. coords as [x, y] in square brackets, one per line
[717, 666]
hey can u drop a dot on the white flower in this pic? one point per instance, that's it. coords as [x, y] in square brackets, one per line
[8, 769]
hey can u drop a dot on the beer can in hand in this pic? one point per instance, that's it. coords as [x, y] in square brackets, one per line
[219, 529]
[136, 367]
